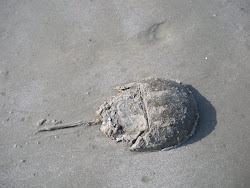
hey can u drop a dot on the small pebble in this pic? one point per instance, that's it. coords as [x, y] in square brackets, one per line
[26, 143]
[87, 93]
[15, 146]
[11, 112]
[22, 161]
[56, 136]
[55, 122]
[214, 15]
[41, 122]
[178, 81]
[37, 142]
[205, 57]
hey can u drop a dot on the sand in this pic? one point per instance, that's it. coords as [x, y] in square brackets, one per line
[59, 60]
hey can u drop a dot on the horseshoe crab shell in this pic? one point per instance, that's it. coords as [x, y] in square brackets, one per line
[150, 115]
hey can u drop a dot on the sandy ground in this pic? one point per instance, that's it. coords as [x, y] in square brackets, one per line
[60, 60]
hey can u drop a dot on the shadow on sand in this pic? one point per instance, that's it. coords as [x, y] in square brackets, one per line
[207, 120]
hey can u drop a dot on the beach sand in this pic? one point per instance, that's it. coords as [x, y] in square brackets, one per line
[60, 60]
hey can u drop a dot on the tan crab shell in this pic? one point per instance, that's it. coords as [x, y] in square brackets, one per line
[150, 115]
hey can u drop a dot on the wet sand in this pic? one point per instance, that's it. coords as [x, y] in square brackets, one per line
[60, 60]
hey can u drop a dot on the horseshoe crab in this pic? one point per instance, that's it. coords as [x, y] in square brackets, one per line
[149, 115]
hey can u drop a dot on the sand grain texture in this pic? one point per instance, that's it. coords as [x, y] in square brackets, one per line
[59, 60]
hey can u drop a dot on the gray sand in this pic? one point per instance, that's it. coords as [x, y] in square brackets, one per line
[59, 60]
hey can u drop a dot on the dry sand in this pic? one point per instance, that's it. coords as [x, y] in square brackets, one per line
[59, 60]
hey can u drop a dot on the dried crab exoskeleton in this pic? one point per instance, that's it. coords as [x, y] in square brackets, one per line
[149, 115]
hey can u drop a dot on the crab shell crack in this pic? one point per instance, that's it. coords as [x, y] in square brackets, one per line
[150, 115]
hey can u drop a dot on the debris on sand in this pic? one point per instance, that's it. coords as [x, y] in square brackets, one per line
[55, 122]
[41, 122]
[150, 115]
